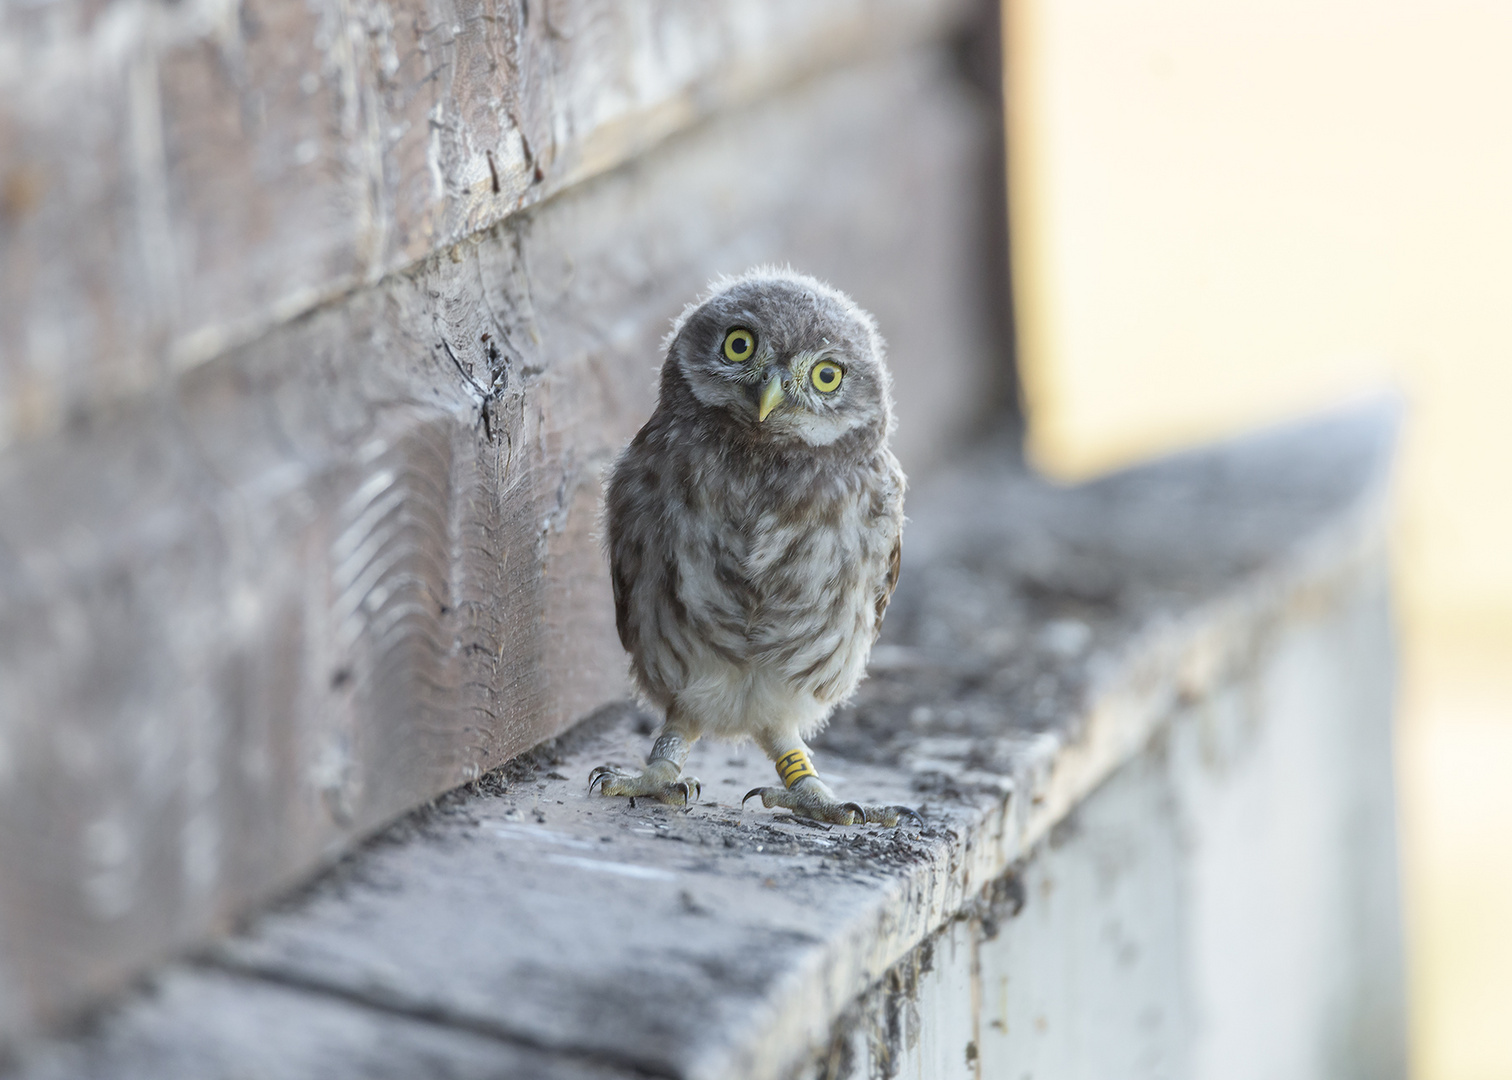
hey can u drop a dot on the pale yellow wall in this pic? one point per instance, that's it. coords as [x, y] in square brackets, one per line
[1229, 212]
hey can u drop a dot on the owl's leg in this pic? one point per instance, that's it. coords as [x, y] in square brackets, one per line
[661, 779]
[808, 796]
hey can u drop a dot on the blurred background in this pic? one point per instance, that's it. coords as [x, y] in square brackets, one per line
[1225, 213]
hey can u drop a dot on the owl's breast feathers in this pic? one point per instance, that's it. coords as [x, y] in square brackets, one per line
[726, 552]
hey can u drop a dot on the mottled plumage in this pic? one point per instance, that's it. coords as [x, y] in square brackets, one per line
[754, 527]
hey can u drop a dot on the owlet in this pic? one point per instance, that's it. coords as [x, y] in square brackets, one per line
[754, 530]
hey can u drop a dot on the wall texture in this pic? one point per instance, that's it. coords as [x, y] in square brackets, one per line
[179, 177]
[317, 325]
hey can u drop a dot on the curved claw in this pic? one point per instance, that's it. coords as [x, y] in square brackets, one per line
[751, 794]
[904, 810]
[857, 809]
[600, 777]
[691, 792]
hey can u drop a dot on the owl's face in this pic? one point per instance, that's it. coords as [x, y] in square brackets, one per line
[787, 355]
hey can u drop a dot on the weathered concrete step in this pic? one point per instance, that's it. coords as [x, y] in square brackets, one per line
[204, 1024]
[1042, 639]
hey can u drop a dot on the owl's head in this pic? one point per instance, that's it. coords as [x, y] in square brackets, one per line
[786, 355]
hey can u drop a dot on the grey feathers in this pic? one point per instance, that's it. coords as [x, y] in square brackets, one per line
[754, 522]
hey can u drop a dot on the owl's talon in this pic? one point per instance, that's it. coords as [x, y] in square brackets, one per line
[651, 784]
[598, 775]
[809, 799]
[892, 816]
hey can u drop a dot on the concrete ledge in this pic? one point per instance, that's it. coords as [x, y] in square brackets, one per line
[1044, 640]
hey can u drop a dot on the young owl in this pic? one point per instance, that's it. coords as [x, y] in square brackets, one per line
[754, 530]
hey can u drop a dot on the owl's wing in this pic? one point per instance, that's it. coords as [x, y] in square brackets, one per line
[889, 583]
[619, 576]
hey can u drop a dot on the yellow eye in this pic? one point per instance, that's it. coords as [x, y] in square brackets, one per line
[739, 345]
[826, 376]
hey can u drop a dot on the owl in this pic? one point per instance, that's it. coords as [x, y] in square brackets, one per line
[754, 530]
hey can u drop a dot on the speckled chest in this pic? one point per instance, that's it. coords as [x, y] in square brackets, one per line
[754, 554]
[782, 536]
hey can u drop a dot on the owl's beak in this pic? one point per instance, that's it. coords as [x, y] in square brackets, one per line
[771, 397]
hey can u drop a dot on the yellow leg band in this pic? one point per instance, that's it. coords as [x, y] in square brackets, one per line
[793, 767]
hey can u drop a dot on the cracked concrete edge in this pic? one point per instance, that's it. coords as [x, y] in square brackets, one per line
[320, 1034]
[1163, 669]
